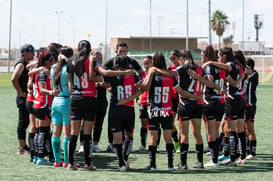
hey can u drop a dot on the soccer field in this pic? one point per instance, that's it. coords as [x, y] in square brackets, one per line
[17, 167]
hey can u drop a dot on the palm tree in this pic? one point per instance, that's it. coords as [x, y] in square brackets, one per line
[219, 21]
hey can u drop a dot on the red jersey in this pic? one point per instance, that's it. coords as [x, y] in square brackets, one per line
[143, 98]
[174, 93]
[42, 100]
[160, 95]
[82, 86]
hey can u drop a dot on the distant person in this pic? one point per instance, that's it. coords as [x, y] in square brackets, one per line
[250, 111]
[60, 107]
[143, 114]
[19, 81]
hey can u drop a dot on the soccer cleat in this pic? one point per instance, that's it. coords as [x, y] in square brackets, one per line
[233, 164]
[81, 149]
[96, 149]
[211, 164]
[181, 167]
[90, 167]
[35, 159]
[72, 167]
[198, 165]
[141, 149]
[176, 146]
[110, 148]
[150, 168]
[206, 150]
[171, 169]
[222, 158]
[122, 168]
[65, 165]
[251, 157]
[242, 162]
[60, 164]
[127, 165]
[42, 161]
[23, 151]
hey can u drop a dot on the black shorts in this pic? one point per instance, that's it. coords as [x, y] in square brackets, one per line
[250, 112]
[189, 111]
[175, 104]
[234, 107]
[83, 109]
[42, 113]
[143, 111]
[29, 106]
[165, 122]
[213, 111]
[121, 118]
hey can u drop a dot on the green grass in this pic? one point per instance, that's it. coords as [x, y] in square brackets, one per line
[14, 167]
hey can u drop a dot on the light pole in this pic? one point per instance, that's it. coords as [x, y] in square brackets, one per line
[187, 21]
[159, 18]
[243, 26]
[10, 20]
[73, 20]
[150, 25]
[105, 33]
[59, 24]
[209, 22]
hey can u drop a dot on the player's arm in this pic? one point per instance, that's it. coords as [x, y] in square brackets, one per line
[36, 70]
[187, 94]
[130, 98]
[220, 65]
[206, 82]
[164, 72]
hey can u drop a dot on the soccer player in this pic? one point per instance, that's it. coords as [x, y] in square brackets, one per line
[122, 87]
[83, 104]
[60, 107]
[189, 110]
[121, 49]
[143, 114]
[102, 106]
[19, 81]
[241, 61]
[214, 104]
[174, 57]
[233, 102]
[250, 110]
[42, 105]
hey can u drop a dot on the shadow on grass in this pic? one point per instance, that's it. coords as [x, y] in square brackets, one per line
[108, 161]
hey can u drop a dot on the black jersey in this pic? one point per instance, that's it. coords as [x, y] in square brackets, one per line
[132, 64]
[187, 83]
[234, 74]
[218, 75]
[253, 80]
[160, 95]
[23, 79]
[122, 87]
[82, 86]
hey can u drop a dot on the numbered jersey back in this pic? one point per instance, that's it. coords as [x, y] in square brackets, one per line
[82, 86]
[160, 93]
[122, 87]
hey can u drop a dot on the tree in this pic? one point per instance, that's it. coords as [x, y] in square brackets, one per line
[219, 21]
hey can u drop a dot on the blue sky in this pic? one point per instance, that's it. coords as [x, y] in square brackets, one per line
[35, 21]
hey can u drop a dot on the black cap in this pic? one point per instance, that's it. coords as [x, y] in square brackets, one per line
[27, 48]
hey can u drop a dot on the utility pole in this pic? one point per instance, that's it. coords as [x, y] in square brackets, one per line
[59, 25]
[10, 21]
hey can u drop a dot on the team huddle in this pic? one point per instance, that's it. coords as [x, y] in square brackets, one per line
[61, 93]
